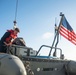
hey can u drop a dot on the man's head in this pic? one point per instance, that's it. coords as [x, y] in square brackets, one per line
[16, 30]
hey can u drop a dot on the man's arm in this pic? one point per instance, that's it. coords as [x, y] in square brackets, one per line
[6, 35]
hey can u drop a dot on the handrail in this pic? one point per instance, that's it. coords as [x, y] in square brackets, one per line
[49, 47]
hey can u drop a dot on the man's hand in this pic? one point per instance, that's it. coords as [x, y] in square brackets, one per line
[7, 44]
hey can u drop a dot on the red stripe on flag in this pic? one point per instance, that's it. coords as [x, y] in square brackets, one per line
[69, 32]
[74, 42]
[62, 33]
[70, 35]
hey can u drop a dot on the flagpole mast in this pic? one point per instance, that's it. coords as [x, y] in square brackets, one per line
[56, 35]
[54, 54]
[57, 38]
[62, 15]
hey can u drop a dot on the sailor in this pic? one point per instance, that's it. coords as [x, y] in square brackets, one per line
[8, 38]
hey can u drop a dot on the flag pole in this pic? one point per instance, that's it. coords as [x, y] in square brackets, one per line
[57, 34]
[57, 38]
[62, 15]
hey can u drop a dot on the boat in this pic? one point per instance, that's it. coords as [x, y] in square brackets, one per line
[23, 60]
[37, 64]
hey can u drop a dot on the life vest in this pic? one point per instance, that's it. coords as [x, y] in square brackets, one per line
[11, 37]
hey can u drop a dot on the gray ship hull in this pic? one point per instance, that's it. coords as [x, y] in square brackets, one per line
[42, 66]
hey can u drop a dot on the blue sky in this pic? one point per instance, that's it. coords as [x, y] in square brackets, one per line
[36, 20]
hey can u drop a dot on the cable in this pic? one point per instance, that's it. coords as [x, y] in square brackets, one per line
[15, 15]
[16, 9]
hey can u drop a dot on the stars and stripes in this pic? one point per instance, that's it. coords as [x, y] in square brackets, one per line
[66, 31]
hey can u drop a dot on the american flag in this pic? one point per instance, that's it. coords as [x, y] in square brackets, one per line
[66, 30]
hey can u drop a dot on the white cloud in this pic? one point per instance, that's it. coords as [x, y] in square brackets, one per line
[47, 35]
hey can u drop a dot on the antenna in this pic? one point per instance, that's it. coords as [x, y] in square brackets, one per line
[61, 14]
[15, 26]
[15, 15]
[56, 28]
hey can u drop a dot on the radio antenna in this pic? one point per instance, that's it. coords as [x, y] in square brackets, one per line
[15, 15]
